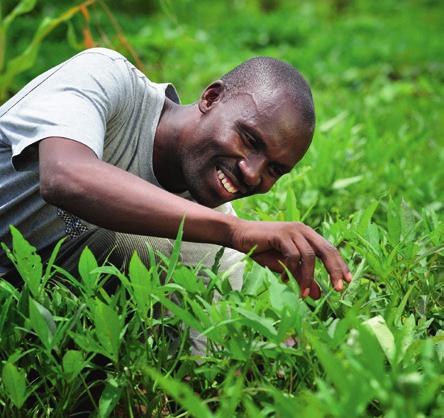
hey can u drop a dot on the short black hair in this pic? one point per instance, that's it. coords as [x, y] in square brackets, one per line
[262, 71]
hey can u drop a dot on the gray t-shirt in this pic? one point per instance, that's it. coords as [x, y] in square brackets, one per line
[97, 98]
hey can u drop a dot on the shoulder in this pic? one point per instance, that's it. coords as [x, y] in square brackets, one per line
[98, 62]
[104, 53]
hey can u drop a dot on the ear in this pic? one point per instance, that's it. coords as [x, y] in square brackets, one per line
[212, 95]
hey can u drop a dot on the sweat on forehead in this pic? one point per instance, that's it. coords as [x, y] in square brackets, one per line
[266, 75]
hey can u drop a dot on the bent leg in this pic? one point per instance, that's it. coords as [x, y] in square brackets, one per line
[117, 248]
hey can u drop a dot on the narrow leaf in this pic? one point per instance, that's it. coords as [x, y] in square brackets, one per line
[110, 396]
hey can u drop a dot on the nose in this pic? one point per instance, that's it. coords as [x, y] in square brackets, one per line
[252, 168]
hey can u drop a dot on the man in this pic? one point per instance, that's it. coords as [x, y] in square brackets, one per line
[93, 150]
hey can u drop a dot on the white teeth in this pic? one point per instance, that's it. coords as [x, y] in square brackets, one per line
[226, 182]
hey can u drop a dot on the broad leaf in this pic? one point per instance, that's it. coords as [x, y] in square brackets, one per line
[72, 364]
[108, 328]
[42, 322]
[15, 384]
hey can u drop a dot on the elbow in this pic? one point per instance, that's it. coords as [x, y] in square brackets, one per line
[57, 184]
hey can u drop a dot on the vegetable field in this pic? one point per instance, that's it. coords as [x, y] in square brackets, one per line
[372, 183]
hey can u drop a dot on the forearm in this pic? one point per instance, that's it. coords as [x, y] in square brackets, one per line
[115, 199]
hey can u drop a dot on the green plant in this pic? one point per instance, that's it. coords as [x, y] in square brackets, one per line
[11, 67]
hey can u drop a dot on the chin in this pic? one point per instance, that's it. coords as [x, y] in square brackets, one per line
[205, 200]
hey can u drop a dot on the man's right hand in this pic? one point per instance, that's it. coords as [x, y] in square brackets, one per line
[294, 245]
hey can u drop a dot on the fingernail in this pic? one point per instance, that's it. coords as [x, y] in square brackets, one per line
[348, 276]
[305, 292]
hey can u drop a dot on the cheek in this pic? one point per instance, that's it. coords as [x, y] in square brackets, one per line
[267, 184]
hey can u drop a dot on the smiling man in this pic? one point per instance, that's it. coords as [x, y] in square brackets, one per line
[94, 151]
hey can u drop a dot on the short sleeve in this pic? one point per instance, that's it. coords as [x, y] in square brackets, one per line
[76, 101]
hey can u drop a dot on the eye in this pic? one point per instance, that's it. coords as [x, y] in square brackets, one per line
[275, 170]
[251, 141]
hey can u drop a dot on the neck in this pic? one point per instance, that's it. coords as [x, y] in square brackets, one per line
[174, 121]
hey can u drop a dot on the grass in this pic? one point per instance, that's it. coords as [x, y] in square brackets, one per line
[372, 183]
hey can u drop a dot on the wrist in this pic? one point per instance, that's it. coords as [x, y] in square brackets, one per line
[234, 227]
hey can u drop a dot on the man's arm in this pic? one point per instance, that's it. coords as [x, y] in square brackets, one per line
[74, 179]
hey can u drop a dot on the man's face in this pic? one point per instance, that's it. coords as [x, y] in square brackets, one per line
[241, 147]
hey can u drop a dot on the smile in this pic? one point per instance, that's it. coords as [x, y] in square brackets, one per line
[229, 187]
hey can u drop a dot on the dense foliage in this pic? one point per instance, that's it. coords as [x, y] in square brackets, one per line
[372, 183]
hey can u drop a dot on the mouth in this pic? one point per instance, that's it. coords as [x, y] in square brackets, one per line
[226, 182]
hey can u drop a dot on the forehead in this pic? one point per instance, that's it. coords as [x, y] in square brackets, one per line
[276, 119]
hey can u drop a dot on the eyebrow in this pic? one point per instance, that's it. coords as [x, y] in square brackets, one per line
[256, 135]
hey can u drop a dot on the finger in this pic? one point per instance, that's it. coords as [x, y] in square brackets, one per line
[330, 256]
[285, 275]
[315, 291]
[292, 258]
[291, 255]
[308, 260]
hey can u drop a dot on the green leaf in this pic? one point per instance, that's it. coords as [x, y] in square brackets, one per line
[181, 313]
[254, 280]
[292, 212]
[87, 264]
[217, 258]
[6, 305]
[109, 398]
[180, 392]
[27, 58]
[231, 395]
[286, 324]
[15, 384]
[373, 235]
[343, 183]
[23, 7]
[365, 218]
[174, 258]
[400, 308]
[54, 253]
[27, 262]
[186, 278]
[259, 323]
[383, 334]
[72, 39]
[407, 220]
[86, 343]
[108, 329]
[331, 123]
[393, 223]
[372, 356]
[72, 364]
[42, 322]
[282, 297]
[331, 364]
[286, 405]
[405, 337]
[141, 285]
